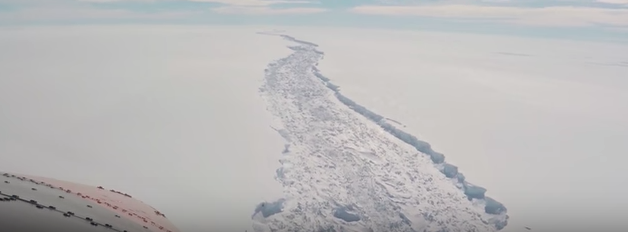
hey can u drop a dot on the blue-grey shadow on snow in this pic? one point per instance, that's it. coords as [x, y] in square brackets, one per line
[268, 209]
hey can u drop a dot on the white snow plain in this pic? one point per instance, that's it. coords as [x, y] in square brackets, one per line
[172, 115]
[542, 124]
[168, 114]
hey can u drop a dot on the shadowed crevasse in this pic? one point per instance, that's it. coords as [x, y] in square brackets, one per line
[344, 214]
[473, 192]
[269, 208]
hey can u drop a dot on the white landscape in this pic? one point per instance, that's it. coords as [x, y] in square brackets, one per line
[541, 123]
[170, 114]
[215, 125]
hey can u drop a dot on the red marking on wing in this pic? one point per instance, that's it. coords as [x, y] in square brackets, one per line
[123, 202]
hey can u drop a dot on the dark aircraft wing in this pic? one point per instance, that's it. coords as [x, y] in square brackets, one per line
[34, 204]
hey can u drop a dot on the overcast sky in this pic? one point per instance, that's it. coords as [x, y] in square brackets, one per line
[573, 19]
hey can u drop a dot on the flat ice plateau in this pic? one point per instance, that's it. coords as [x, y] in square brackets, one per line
[168, 114]
[163, 111]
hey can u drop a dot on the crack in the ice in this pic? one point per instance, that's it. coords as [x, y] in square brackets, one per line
[472, 191]
[329, 145]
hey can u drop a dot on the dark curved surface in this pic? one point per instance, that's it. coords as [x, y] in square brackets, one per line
[30, 206]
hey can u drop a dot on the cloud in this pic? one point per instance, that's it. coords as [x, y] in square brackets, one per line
[107, 1]
[262, 7]
[544, 16]
[82, 13]
[73, 10]
[266, 10]
[254, 2]
[619, 2]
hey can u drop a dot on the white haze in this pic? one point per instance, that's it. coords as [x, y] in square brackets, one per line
[170, 115]
[542, 124]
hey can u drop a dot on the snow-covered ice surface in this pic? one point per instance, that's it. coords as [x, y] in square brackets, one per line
[540, 123]
[163, 111]
[168, 114]
[343, 172]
